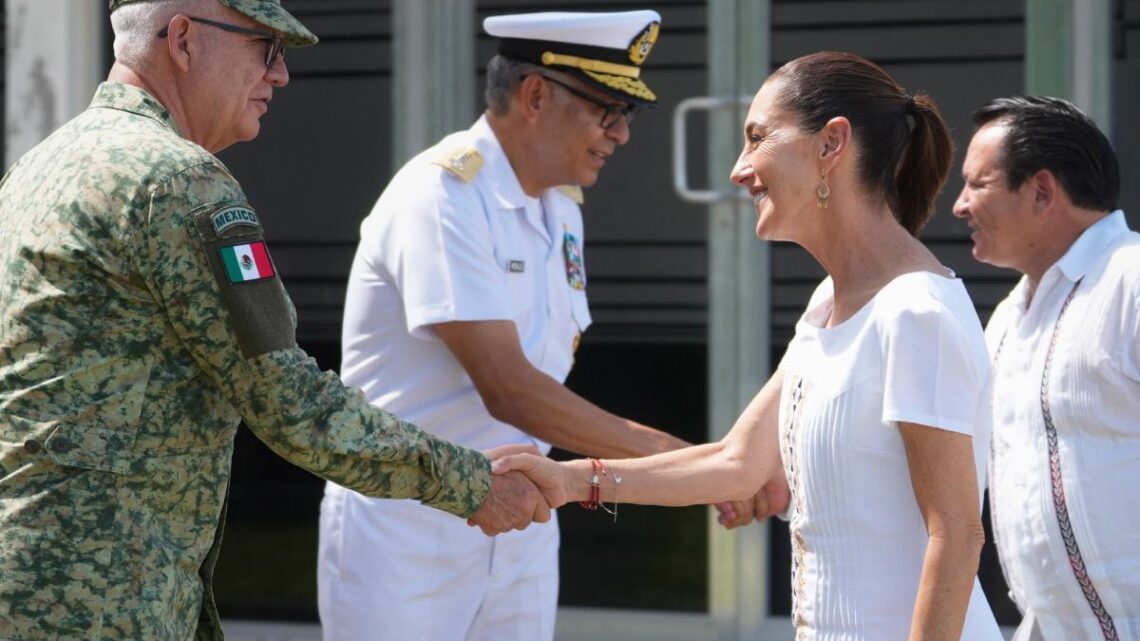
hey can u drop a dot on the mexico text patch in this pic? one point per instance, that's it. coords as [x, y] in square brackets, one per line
[231, 216]
[247, 262]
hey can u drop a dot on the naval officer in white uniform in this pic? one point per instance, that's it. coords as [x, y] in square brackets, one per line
[466, 302]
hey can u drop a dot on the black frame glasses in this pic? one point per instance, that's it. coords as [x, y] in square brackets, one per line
[275, 44]
[612, 111]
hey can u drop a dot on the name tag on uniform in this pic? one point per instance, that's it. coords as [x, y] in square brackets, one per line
[516, 266]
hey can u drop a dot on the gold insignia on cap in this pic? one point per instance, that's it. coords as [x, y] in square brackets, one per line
[643, 43]
[463, 162]
[550, 58]
[632, 86]
[573, 192]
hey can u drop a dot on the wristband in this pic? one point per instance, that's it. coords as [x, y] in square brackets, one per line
[597, 471]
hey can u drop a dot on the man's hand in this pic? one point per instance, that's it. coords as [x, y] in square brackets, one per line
[512, 504]
[551, 477]
[772, 499]
[734, 514]
[776, 497]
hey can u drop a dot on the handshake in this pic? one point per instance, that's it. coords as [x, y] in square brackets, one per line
[524, 489]
[526, 486]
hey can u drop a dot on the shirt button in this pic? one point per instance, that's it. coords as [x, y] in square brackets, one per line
[61, 445]
[32, 446]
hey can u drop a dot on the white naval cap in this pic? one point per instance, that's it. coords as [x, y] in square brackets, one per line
[606, 50]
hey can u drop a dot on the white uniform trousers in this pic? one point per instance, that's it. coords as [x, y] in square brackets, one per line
[396, 570]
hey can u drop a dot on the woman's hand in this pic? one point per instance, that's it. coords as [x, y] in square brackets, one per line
[551, 478]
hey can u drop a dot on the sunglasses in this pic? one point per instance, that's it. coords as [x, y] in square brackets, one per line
[274, 44]
[612, 111]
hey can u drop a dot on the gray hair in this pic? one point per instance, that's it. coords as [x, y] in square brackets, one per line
[136, 25]
[503, 77]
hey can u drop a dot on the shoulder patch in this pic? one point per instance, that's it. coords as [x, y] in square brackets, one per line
[462, 162]
[255, 303]
[231, 216]
[573, 192]
[246, 261]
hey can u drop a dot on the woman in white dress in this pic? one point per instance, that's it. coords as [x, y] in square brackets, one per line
[879, 411]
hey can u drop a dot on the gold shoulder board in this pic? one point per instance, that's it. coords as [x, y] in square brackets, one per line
[573, 192]
[462, 162]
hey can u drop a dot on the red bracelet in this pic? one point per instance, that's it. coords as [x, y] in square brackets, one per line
[595, 485]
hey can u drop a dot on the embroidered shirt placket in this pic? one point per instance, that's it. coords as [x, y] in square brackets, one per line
[799, 620]
[1072, 549]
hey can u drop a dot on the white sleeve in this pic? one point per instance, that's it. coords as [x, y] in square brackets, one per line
[442, 258]
[934, 374]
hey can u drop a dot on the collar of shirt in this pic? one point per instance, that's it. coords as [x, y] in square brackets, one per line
[1091, 245]
[136, 100]
[1077, 261]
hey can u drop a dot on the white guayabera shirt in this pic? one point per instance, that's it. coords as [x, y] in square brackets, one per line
[1065, 470]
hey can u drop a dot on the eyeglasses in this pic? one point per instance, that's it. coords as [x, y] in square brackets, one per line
[275, 44]
[612, 111]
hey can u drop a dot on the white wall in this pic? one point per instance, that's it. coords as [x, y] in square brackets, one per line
[54, 62]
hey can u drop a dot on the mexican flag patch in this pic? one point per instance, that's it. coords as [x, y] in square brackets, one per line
[246, 262]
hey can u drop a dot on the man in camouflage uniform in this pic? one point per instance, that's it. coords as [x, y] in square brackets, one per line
[142, 318]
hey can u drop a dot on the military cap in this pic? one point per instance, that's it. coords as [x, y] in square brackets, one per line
[267, 12]
[605, 50]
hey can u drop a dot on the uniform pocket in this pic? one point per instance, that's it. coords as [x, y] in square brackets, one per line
[521, 288]
[88, 419]
[56, 534]
[91, 448]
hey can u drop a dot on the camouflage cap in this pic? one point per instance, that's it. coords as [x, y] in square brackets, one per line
[267, 12]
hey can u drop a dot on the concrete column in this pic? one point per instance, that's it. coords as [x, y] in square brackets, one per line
[54, 62]
[1068, 54]
[739, 304]
[433, 73]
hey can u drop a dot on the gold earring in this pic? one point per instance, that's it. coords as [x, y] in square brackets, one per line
[823, 192]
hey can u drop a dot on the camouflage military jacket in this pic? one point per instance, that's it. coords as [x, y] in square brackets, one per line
[140, 319]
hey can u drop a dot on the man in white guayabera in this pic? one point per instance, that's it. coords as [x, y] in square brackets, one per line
[1041, 197]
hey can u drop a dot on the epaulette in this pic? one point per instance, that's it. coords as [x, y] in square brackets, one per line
[462, 162]
[573, 192]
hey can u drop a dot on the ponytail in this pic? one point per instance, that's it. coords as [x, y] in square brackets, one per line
[925, 164]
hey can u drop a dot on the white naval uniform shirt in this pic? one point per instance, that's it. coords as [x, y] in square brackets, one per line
[438, 249]
[1082, 582]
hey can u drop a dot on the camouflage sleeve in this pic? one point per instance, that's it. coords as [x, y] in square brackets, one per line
[201, 253]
